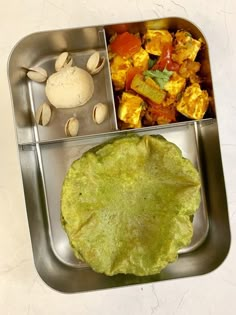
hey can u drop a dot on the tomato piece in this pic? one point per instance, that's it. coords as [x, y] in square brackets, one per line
[119, 28]
[167, 113]
[172, 66]
[125, 45]
[165, 61]
[130, 75]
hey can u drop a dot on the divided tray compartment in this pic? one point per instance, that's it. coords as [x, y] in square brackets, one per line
[45, 155]
[56, 159]
[29, 95]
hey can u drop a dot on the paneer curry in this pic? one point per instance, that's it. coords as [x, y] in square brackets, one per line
[156, 77]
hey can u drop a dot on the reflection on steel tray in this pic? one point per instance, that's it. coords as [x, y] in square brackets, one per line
[46, 153]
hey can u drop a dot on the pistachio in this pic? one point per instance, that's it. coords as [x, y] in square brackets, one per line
[63, 60]
[43, 114]
[95, 63]
[100, 112]
[37, 74]
[72, 127]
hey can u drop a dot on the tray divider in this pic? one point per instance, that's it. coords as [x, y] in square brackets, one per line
[41, 170]
[33, 112]
[196, 127]
[109, 78]
[118, 132]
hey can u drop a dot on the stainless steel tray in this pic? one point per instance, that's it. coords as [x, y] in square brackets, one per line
[45, 155]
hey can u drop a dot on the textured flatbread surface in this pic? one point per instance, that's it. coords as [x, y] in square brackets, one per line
[126, 205]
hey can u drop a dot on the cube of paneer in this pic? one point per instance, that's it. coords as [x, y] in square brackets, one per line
[186, 47]
[194, 102]
[119, 68]
[130, 108]
[155, 40]
[123, 125]
[140, 59]
[175, 85]
[189, 68]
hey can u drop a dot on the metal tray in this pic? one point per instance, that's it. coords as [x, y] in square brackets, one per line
[45, 155]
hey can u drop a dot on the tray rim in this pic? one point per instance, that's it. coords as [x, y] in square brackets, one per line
[22, 146]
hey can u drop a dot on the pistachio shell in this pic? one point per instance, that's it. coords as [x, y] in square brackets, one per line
[63, 60]
[95, 63]
[43, 114]
[37, 74]
[100, 112]
[72, 127]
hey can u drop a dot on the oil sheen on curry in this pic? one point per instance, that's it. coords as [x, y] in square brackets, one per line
[156, 77]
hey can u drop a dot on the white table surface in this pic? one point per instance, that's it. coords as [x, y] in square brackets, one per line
[21, 289]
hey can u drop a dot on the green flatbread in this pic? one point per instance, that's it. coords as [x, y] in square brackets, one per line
[126, 205]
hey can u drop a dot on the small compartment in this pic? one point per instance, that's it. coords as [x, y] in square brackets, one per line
[165, 57]
[41, 50]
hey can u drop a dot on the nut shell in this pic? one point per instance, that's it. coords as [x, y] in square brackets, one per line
[95, 63]
[43, 114]
[100, 113]
[37, 74]
[72, 127]
[63, 60]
